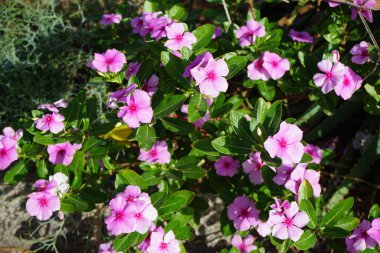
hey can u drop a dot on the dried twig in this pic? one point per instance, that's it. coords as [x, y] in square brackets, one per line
[226, 11]
[252, 9]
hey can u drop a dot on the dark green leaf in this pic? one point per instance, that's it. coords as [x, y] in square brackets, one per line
[307, 241]
[231, 146]
[16, 172]
[177, 126]
[176, 201]
[235, 64]
[168, 105]
[204, 35]
[337, 213]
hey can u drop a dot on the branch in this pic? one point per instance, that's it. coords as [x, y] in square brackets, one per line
[226, 11]
[355, 179]
[252, 9]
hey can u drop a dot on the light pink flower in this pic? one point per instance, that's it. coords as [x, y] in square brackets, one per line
[331, 76]
[145, 244]
[112, 60]
[132, 69]
[275, 65]
[374, 231]
[286, 143]
[226, 166]
[244, 245]
[348, 85]
[138, 109]
[120, 96]
[247, 34]
[54, 107]
[366, 5]
[109, 19]
[360, 239]
[253, 166]
[10, 133]
[283, 174]
[133, 195]
[151, 85]
[50, 122]
[199, 62]
[264, 228]
[299, 174]
[256, 71]
[290, 224]
[211, 78]
[178, 38]
[163, 243]
[117, 220]
[360, 54]
[107, 248]
[139, 216]
[8, 152]
[42, 205]
[304, 37]
[315, 152]
[159, 153]
[62, 153]
[243, 213]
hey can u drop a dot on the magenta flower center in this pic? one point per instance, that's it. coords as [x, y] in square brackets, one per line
[61, 152]
[163, 246]
[226, 165]
[119, 215]
[178, 37]
[137, 215]
[49, 119]
[153, 152]
[274, 63]
[131, 199]
[109, 61]
[244, 213]
[288, 222]
[329, 75]
[242, 247]
[43, 202]
[282, 143]
[211, 75]
[346, 82]
[3, 152]
[133, 108]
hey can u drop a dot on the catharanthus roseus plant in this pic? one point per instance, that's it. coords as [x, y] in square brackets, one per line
[256, 113]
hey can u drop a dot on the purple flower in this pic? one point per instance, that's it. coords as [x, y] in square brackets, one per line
[217, 32]
[253, 166]
[366, 5]
[348, 85]
[178, 38]
[54, 107]
[331, 76]
[109, 19]
[42, 205]
[151, 85]
[299, 174]
[112, 60]
[51, 122]
[268, 65]
[283, 174]
[132, 69]
[107, 248]
[360, 54]
[157, 154]
[244, 245]
[360, 239]
[159, 30]
[62, 153]
[243, 213]
[247, 34]
[304, 37]
[315, 152]
[226, 166]
[163, 243]
[120, 96]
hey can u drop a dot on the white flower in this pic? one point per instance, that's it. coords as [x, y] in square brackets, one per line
[62, 182]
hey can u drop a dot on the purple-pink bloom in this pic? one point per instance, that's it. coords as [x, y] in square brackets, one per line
[283, 174]
[62, 153]
[132, 69]
[256, 71]
[139, 216]
[137, 24]
[159, 30]
[178, 38]
[269, 65]
[226, 166]
[151, 85]
[10, 133]
[46, 186]
[112, 60]
[374, 231]
[331, 76]
[159, 153]
[54, 107]
[304, 37]
[42, 205]
[163, 243]
[138, 109]
[211, 78]
[107, 248]
[120, 96]
[286, 143]
[133, 195]
[243, 213]
[290, 224]
[315, 152]
[299, 174]
[279, 207]
[244, 245]
[8, 152]
[217, 32]
[50, 122]
[360, 239]
[349, 84]
[366, 5]
[360, 54]
[247, 34]
[145, 244]
[253, 166]
[117, 220]
[199, 62]
[109, 19]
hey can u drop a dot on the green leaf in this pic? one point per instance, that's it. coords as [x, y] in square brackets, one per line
[273, 117]
[151, 6]
[231, 146]
[205, 147]
[80, 202]
[42, 170]
[307, 207]
[91, 142]
[129, 177]
[241, 127]
[235, 64]
[261, 109]
[374, 212]
[125, 242]
[307, 241]
[158, 198]
[266, 90]
[77, 165]
[197, 107]
[178, 12]
[186, 162]
[348, 223]
[334, 232]
[47, 139]
[337, 213]
[175, 68]
[16, 173]
[204, 36]
[180, 220]
[74, 111]
[67, 206]
[305, 191]
[176, 201]
[168, 105]
[146, 137]
[194, 173]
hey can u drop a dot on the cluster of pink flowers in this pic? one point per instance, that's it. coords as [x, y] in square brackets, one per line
[338, 77]
[158, 241]
[226, 166]
[109, 19]
[130, 211]
[244, 245]
[45, 201]
[247, 34]
[153, 24]
[52, 122]
[365, 236]
[303, 37]
[269, 65]
[110, 61]
[159, 153]
[9, 146]
[62, 153]
[360, 54]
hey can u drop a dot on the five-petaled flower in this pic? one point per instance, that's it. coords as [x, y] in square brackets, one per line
[226, 166]
[159, 153]
[247, 34]
[110, 61]
[243, 213]
[178, 38]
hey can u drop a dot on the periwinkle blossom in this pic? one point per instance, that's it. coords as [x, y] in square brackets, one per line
[217, 32]
[54, 107]
[365, 10]
[109, 19]
[46, 186]
[299, 174]
[159, 153]
[243, 213]
[120, 96]
[303, 37]
[252, 167]
[8, 152]
[333, 73]
[211, 78]
[42, 205]
[360, 54]
[117, 220]
[360, 238]
[226, 166]
[145, 244]
[151, 85]
[348, 85]
[138, 109]
[244, 245]
[10, 133]
[50, 122]
[269, 65]
[132, 69]
[283, 174]
[107, 248]
[286, 143]
[62, 153]
[315, 152]
[199, 62]
[247, 34]
[140, 216]
[290, 224]
[279, 207]
[159, 30]
[374, 231]
[178, 38]
[163, 243]
[132, 194]
[110, 61]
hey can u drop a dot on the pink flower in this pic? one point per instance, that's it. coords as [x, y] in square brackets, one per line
[226, 166]
[42, 205]
[159, 30]
[283, 174]
[50, 122]
[62, 153]
[299, 174]
[247, 34]
[106, 248]
[157, 154]
[151, 85]
[10, 133]
[120, 96]
[132, 69]
[360, 54]
[279, 207]
[46, 186]
[112, 60]
[264, 228]
[117, 220]
[290, 224]
[374, 231]
[199, 62]
[243, 213]
[360, 239]
[138, 109]
[211, 78]
[268, 65]
[163, 243]
[244, 245]
[109, 19]
[286, 143]
[178, 38]
[8, 152]
[145, 244]
[133, 195]
[333, 4]
[256, 71]
[348, 85]
[54, 107]
[331, 76]
[253, 166]
[304, 37]
[139, 216]
[315, 152]
[217, 32]
[366, 5]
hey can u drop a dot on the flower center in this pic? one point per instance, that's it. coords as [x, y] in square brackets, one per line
[211, 75]
[49, 119]
[131, 199]
[3, 152]
[43, 202]
[133, 108]
[119, 215]
[282, 143]
[137, 215]
[244, 213]
[274, 63]
[329, 75]
[163, 245]
[153, 153]
[178, 37]
[346, 82]
[242, 247]
[288, 221]
[62, 152]
[226, 165]
[109, 61]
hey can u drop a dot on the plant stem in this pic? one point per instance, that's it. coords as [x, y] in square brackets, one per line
[252, 9]
[226, 11]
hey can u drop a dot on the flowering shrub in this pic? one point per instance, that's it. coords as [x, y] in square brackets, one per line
[235, 109]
